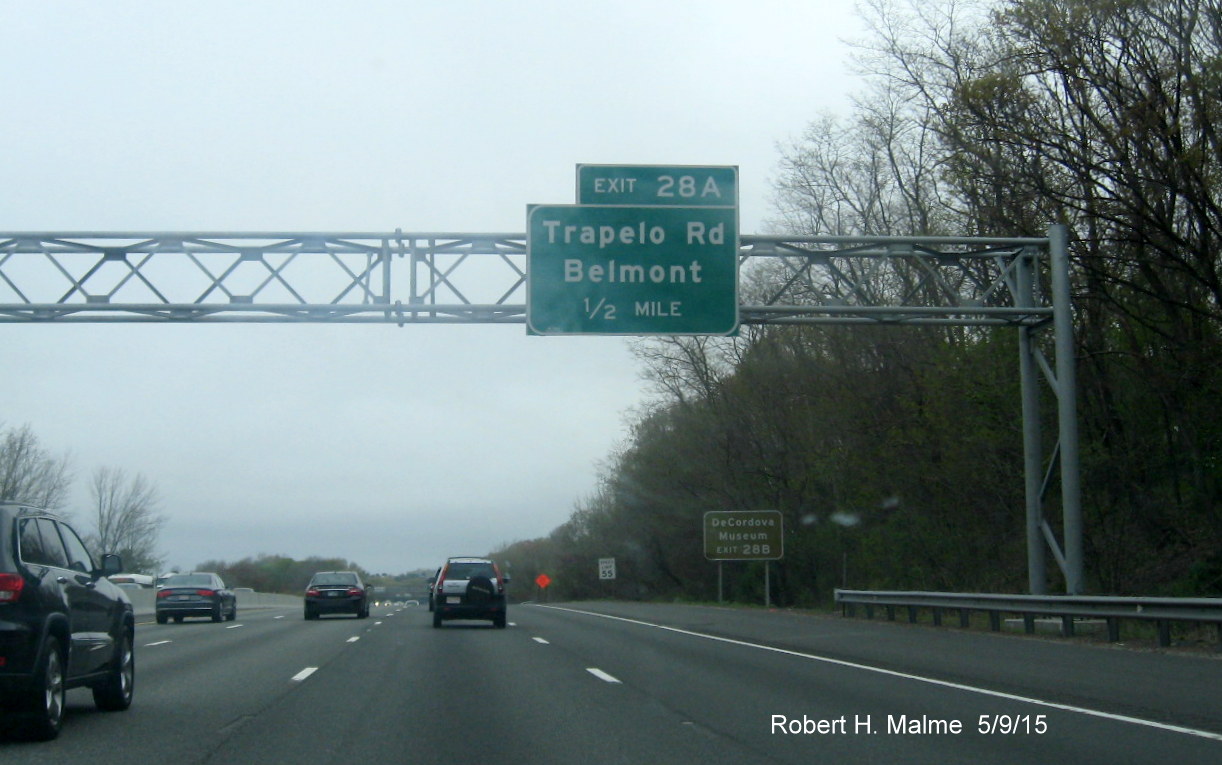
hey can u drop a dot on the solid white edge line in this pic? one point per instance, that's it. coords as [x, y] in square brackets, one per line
[919, 678]
[303, 674]
[601, 675]
[159, 642]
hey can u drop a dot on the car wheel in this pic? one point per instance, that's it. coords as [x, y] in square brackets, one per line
[162, 618]
[216, 613]
[233, 613]
[178, 619]
[114, 694]
[498, 620]
[45, 703]
[436, 619]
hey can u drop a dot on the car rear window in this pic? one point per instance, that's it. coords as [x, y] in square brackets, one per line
[189, 580]
[334, 579]
[469, 570]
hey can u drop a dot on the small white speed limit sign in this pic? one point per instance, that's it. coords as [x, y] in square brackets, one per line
[606, 568]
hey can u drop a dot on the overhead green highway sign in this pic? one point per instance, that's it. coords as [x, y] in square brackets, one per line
[594, 269]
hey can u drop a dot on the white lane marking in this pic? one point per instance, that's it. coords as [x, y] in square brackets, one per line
[377, 623]
[303, 674]
[919, 678]
[601, 675]
[159, 642]
[513, 624]
[540, 640]
[234, 626]
[354, 638]
[281, 616]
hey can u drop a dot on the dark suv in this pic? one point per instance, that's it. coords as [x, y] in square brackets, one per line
[62, 623]
[336, 592]
[469, 588]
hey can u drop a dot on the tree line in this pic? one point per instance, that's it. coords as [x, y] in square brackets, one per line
[277, 573]
[895, 454]
[125, 514]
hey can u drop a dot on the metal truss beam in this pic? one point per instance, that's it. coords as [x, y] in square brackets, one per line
[410, 278]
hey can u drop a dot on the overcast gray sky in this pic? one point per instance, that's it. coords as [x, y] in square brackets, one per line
[391, 447]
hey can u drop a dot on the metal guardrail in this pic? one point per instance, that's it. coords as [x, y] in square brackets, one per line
[1111, 609]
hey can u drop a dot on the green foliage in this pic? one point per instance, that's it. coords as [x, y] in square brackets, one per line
[879, 451]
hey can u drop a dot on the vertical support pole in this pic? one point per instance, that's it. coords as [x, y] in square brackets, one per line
[412, 280]
[719, 582]
[767, 588]
[1033, 460]
[1067, 408]
[387, 257]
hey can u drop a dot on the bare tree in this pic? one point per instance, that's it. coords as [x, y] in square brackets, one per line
[28, 472]
[127, 520]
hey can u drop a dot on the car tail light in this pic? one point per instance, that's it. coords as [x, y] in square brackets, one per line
[163, 593]
[206, 593]
[313, 593]
[11, 586]
[354, 591]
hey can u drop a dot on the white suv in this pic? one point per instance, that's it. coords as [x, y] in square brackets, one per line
[469, 588]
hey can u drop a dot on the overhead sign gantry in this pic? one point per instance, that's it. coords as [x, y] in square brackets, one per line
[422, 278]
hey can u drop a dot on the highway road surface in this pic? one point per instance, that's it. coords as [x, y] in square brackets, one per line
[592, 683]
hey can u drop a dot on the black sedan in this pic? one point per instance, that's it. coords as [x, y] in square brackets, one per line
[336, 592]
[195, 594]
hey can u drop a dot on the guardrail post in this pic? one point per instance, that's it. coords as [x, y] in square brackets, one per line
[1067, 626]
[1029, 624]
